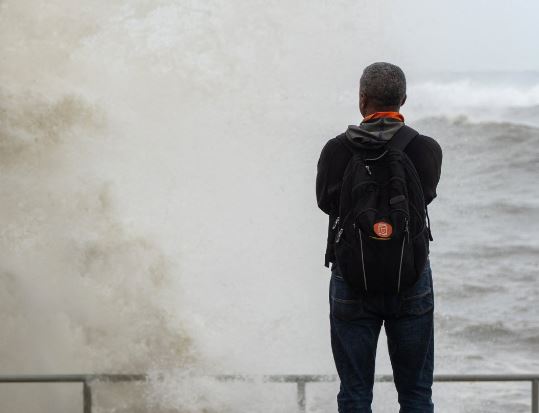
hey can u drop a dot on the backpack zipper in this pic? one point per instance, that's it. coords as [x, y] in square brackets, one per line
[338, 238]
[407, 229]
[402, 252]
[362, 259]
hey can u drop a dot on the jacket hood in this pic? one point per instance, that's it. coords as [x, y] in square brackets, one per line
[373, 134]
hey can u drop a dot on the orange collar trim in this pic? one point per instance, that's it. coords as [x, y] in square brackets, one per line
[378, 115]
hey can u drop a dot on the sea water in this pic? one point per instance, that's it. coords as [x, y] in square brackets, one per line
[158, 208]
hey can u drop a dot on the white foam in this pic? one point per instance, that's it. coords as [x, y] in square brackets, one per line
[478, 100]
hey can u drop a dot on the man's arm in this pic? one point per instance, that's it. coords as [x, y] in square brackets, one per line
[331, 165]
[330, 169]
[426, 155]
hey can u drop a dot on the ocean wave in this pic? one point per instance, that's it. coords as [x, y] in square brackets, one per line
[492, 251]
[486, 146]
[498, 332]
[468, 120]
[475, 93]
[514, 208]
[477, 99]
[487, 331]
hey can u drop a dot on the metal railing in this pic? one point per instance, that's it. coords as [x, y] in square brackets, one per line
[301, 381]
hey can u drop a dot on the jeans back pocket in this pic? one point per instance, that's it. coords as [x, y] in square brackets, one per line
[419, 298]
[345, 303]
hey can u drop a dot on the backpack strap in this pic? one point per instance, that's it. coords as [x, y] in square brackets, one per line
[428, 222]
[402, 138]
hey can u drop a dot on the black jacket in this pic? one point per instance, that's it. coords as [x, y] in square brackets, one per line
[423, 151]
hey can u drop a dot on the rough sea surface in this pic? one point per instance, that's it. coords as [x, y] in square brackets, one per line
[158, 213]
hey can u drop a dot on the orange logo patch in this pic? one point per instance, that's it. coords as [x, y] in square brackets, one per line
[383, 229]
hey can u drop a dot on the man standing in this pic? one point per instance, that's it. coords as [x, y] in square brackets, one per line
[407, 313]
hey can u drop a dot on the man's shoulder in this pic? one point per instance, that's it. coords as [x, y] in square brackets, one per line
[424, 142]
[336, 142]
[335, 146]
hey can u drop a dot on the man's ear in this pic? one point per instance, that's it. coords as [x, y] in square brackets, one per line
[403, 100]
[362, 104]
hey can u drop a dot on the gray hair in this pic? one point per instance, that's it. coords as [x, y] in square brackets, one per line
[383, 83]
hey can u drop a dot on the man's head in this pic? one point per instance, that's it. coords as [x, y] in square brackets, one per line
[382, 88]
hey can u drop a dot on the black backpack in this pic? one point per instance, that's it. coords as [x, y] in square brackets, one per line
[382, 240]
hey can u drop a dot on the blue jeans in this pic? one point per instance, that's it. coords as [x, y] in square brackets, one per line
[355, 325]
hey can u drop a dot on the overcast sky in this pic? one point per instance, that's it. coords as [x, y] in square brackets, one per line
[462, 35]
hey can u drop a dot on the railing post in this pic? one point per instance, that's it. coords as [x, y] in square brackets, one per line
[301, 396]
[87, 396]
[535, 396]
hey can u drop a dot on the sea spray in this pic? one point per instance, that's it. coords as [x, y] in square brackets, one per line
[80, 292]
